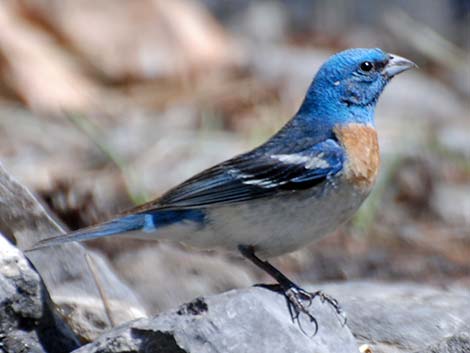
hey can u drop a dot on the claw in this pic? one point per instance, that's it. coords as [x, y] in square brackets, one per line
[333, 302]
[295, 297]
[299, 301]
[295, 302]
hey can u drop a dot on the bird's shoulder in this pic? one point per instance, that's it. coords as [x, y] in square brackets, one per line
[360, 143]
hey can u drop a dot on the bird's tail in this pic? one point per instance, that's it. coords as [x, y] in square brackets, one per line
[145, 224]
[116, 226]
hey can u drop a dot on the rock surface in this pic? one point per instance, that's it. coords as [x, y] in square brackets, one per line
[387, 318]
[406, 317]
[27, 323]
[459, 343]
[186, 275]
[249, 320]
[69, 272]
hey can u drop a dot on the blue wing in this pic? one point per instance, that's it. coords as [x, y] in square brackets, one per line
[254, 175]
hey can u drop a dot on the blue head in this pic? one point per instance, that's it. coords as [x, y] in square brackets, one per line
[348, 85]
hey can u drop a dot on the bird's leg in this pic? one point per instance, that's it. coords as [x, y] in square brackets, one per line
[296, 296]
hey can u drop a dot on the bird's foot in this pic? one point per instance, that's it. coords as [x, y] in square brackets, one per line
[299, 302]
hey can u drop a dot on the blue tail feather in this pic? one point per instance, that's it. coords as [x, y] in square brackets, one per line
[116, 226]
[161, 218]
[147, 222]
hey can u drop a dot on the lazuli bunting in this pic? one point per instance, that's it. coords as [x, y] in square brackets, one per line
[302, 183]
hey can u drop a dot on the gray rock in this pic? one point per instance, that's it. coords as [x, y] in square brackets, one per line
[459, 343]
[385, 317]
[406, 317]
[70, 273]
[201, 274]
[27, 324]
[249, 320]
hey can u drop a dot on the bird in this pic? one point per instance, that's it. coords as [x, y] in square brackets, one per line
[298, 186]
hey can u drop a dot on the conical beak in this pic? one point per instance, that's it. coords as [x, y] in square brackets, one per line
[397, 65]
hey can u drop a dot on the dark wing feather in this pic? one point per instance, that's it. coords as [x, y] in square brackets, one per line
[254, 175]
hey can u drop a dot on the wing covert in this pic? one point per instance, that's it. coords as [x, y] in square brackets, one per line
[257, 174]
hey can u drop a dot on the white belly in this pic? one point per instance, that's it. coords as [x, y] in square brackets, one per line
[280, 225]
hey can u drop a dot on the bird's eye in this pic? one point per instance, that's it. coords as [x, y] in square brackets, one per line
[367, 66]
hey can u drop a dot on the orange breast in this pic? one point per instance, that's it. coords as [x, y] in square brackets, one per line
[362, 150]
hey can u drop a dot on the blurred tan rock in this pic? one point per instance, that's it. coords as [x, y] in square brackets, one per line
[138, 39]
[37, 70]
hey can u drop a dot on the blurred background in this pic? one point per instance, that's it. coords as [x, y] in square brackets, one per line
[107, 104]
